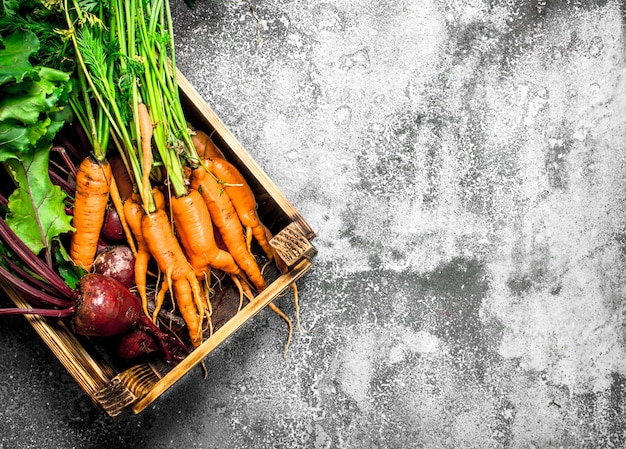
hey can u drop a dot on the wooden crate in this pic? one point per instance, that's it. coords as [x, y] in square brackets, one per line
[135, 387]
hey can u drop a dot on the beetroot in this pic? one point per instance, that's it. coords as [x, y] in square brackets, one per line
[106, 308]
[137, 343]
[112, 229]
[117, 262]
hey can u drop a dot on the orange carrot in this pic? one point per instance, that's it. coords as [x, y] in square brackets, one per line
[121, 188]
[226, 221]
[195, 231]
[146, 130]
[159, 298]
[93, 181]
[243, 201]
[171, 260]
[122, 177]
[204, 145]
[134, 213]
[118, 203]
[187, 309]
[229, 226]
[182, 293]
[159, 198]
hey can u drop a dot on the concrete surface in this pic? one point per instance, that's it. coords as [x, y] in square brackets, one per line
[463, 164]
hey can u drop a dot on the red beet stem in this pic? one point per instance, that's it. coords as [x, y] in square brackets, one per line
[38, 266]
[62, 183]
[35, 282]
[63, 153]
[32, 292]
[75, 143]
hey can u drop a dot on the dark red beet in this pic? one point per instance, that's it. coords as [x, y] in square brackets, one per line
[102, 245]
[112, 230]
[117, 262]
[135, 344]
[106, 308]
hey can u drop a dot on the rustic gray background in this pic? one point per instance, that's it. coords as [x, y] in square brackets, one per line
[463, 164]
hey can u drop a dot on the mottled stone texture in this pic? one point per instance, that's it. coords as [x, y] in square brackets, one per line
[463, 163]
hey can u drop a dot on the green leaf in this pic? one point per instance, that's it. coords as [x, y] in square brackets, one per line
[37, 208]
[14, 139]
[17, 140]
[66, 268]
[25, 101]
[33, 108]
[33, 111]
[14, 57]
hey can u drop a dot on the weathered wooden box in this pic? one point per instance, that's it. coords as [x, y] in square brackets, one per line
[135, 387]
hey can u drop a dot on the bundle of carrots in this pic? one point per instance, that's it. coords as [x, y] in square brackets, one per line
[175, 191]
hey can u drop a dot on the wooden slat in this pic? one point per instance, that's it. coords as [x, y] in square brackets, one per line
[291, 246]
[124, 389]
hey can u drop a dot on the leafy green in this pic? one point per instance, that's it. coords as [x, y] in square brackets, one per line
[33, 108]
[37, 210]
[44, 19]
[70, 272]
[14, 57]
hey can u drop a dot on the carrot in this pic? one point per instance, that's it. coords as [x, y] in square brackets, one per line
[159, 198]
[118, 203]
[226, 221]
[159, 298]
[182, 293]
[187, 309]
[296, 302]
[195, 230]
[122, 177]
[204, 145]
[281, 314]
[134, 213]
[171, 260]
[196, 234]
[243, 201]
[93, 181]
[146, 130]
